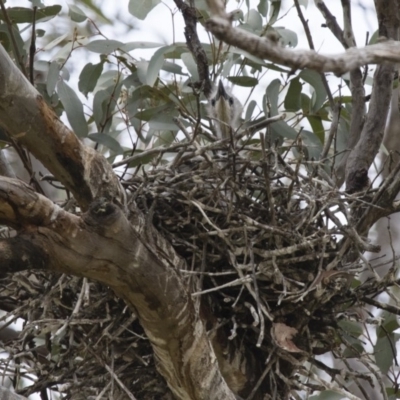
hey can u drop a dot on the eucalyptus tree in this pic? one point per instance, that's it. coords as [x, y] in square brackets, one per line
[155, 257]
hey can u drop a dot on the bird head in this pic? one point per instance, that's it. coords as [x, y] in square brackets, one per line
[225, 110]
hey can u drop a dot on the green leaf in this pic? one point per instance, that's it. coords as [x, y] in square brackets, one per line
[37, 3]
[104, 105]
[173, 68]
[155, 64]
[314, 79]
[274, 12]
[342, 138]
[97, 10]
[288, 37]
[312, 144]
[140, 8]
[164, 122]
[254, 19]
[283, 130]
[245, 81]
[21, 15]
[89, 77]
[55, 42]
[165, 138]
[293, 95]
[107, 141]
[140, 45]
[150, 113]
[250, 109]
[191, 65]
[144, 159]
[327, 395]
[104, 46]
[317, 127]
[272, 97]
[389, 324]
[385, 351]
[52, 77]
[263, 7]
[76, 14]
[73, 108]
[5, 39]
[355, 350]
[351, 328]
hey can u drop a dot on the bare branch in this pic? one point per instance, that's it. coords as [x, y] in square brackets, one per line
[194, 45]
[388, 51]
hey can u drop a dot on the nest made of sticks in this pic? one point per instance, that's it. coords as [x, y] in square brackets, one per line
[254, 233]
[259, 233]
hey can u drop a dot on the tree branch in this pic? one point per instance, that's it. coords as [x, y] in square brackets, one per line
[131, 258]
[388, 51]
[363, 154]
[32, 123]
[194, 45]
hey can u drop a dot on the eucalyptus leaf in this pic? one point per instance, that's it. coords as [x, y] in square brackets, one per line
[99, 106]
[272, 96]
[155, 64]
[327, 395]
[283, 130]
[263, 7]
[191, 65]
[245, 81]
[250, 109]
[104, 46]
[107, 141]
[52, 77]
[274, 11]
[22, 15]
[89, 76]
[254, 19]
[314, 79]
[385, 352]
[173, 68]
[388, 325]
[312, 145]
[140, 45]
[140, 8]
[55, 42]
[317, 127]
[76, 14]
[150, 113]
[293, 95]
[288, 37]
[73, 108]
[165, 138]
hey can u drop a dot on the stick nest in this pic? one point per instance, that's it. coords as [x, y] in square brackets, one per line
[261, 236]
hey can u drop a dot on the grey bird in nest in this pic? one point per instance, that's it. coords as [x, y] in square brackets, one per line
[225, 110]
